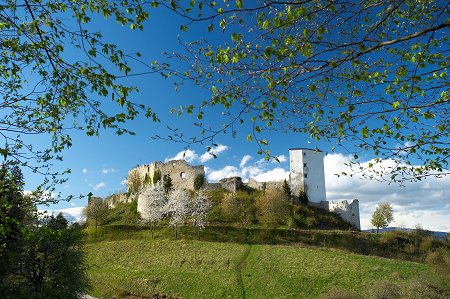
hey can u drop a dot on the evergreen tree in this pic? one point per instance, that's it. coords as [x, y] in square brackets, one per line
[156, 177]
[287, 189]
[167, 183]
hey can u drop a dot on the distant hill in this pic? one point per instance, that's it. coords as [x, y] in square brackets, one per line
[436, 234]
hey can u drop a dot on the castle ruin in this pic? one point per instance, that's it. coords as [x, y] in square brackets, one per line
[306, 175]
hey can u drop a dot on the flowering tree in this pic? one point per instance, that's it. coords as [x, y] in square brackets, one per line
[178, 208]
[199, 208]
[151, 204]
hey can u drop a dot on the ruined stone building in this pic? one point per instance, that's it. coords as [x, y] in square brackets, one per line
[306, 175]
[181, 173]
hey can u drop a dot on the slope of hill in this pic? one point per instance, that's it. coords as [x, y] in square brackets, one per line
[197, 269]
[436, 234]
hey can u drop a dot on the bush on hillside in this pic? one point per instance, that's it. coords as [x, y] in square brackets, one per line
[239, 207]
[272, 208]
[423, 288]
[303, 198]
[337, 293]
[385, 290]
[440, 261]
[415, 245]
[426, 244]
[215, 196]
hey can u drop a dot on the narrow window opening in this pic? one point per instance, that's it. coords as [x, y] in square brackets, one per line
[183, 175]
[173, 164]
[306, 175]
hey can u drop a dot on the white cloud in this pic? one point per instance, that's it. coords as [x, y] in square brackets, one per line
[421, 202]
[108, 170]
[71, 214]
[191, 156]
[245, 160]
[276, 174]
[99, 186]
[187, 155]
[225, 172]
[214, 151]
[260, 170]
[84, 170]
[123, 182]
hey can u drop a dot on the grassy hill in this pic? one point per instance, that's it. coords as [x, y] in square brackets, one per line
[134, 263]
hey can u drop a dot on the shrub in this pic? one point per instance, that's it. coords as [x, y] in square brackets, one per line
[303, 198]
[385, 290]
[273, 208]
[167, 183]
[147, 180]
[422, 232]
[232, 208]
[422, 288]
[426, 244]
[336, 293]
[310, 222]
[199, 180]
[156, 177]
[439, 261]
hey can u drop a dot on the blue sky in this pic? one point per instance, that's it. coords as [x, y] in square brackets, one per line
[100, 165]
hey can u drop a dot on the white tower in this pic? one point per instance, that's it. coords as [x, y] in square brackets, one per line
[307, 173]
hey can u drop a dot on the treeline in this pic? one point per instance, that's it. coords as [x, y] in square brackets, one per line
[41, 255]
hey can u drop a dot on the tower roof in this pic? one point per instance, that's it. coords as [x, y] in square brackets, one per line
[304, 148]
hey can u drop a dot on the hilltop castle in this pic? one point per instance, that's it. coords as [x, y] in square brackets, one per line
[306, 175]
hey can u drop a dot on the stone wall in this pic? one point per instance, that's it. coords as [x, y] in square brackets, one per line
[181, 173]
[231, 184]
[272, 185]
[349, 211]
[212, 186]
[112, 200]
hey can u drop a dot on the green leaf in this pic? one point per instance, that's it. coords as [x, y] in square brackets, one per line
[365, 132]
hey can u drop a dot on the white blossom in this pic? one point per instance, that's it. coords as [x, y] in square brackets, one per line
[199, 208]
[178, 207]
[151, 203]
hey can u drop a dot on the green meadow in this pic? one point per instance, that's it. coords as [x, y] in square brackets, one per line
[138, 265]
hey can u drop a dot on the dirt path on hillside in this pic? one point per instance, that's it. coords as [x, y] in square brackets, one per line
[240, 266]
